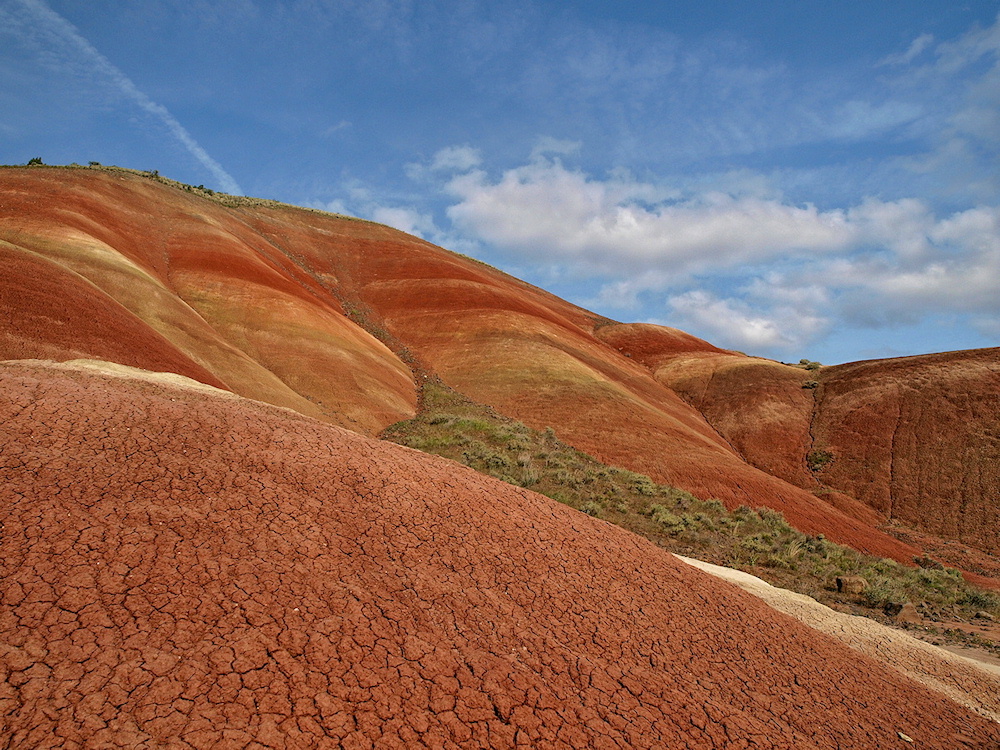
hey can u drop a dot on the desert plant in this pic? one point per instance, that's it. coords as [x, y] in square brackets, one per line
[883, 590]
[665, 518]
[983, 600]
[36, 161]
[817, 460]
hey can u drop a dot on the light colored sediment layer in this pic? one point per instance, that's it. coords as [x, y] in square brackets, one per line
[973, 684]
[113, 369]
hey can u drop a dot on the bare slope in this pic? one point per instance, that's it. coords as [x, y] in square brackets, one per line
[335, 318]
[548, 363]
[183, 568]
[971, 683]
[115, 266]
[916, 439]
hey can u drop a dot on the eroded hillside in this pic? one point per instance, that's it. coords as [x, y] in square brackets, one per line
[342, 319]
[916, 439]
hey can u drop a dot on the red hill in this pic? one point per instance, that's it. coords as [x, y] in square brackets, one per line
[184, 568]
[340, 320]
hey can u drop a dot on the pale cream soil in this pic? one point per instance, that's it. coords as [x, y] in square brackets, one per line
[971, 683]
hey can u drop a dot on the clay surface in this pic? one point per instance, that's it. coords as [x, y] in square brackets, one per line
[109, 265]
[188, 570]
[918, 439]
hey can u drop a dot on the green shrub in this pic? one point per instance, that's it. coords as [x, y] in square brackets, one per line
[665, 517]
[817, 460]
[644, 486]
[773, 519]
[884, 590]
[981, 600]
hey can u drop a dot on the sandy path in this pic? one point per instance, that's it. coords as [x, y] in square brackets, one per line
[973, 684]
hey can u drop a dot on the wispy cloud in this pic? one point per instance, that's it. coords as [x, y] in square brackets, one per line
[456, 158]
[917, 46]
[64, 30]
[608, 225]
[735, 324]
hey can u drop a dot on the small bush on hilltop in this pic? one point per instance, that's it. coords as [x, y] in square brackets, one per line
[760, 541]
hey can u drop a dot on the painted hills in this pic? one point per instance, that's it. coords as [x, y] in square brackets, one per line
[224, 564]
[342, 320]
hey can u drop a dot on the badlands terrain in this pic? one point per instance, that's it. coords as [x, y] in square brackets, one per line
[224, 554]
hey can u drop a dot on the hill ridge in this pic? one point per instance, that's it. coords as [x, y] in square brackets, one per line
[296, 307]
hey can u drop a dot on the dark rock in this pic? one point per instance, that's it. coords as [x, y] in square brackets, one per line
[851, 584]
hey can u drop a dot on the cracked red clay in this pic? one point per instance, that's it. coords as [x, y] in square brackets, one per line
[182, 568]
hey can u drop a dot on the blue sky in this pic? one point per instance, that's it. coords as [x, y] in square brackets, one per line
[790, 179]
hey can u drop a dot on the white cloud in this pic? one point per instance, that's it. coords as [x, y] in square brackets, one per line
[859, 119]
[931, 267]
[902, 226]
[406, 220]
[735, 324]
[875, 263]
[333, 207]
[957, 269]
[456, 159]
[448, 160]
[958, 90]
[968, 48]
[624, 294]
[89, 55]
[917, 46]
[334, 129]
[549, 146]
[410, 220]
[546, 210]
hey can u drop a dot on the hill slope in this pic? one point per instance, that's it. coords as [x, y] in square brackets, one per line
[341, 320]
[916, 439]
[182, 567]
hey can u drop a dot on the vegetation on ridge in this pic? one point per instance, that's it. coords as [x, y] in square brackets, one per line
[758, 541]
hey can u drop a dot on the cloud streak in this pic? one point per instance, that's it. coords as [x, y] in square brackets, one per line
[66, 31]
